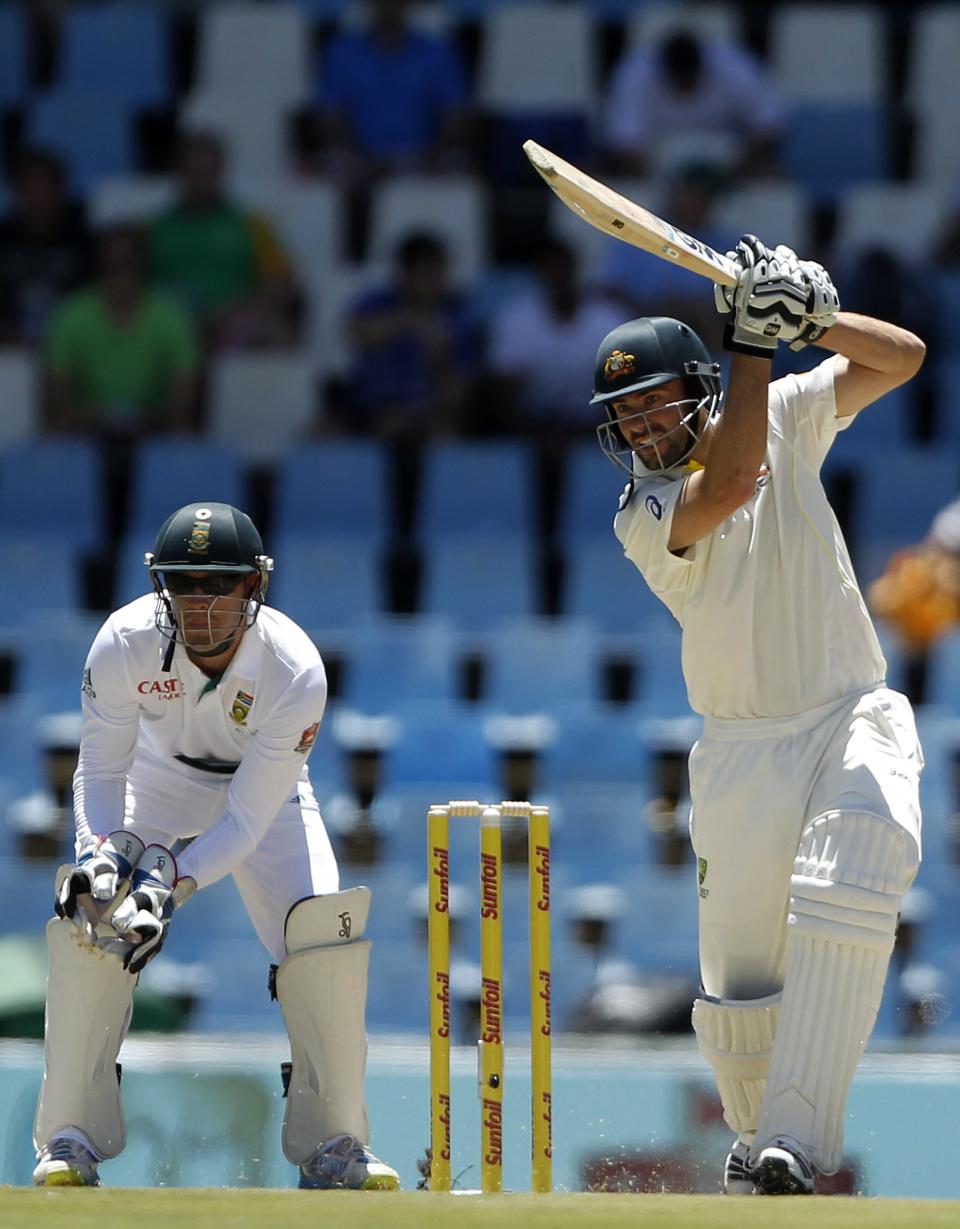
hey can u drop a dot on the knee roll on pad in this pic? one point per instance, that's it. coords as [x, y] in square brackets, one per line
[322, 990]
[736, 1038]
[89, 1003]
[850, 874]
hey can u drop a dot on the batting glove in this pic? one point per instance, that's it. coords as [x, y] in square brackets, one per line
[144, 917]
[822, 306]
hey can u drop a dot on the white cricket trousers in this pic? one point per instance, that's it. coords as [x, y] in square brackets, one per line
[293, 860]
[755, 785]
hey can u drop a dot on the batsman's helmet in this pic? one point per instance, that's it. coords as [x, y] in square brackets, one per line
[641, 354]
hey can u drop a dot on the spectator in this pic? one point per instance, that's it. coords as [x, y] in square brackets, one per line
[642, 285]
[540, 346]
[44, 248]
[414, 348]
[686, 89]
[121, 359]
[225, 262]
[390, 98]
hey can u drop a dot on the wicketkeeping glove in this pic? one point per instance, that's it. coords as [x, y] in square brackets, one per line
[102, 869]
[144, 917]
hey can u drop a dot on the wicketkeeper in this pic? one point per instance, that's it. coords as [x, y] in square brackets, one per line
[200, 708]
[806, 817]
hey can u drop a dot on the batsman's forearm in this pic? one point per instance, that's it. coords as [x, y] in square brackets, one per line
[739, 443]
[875, 344]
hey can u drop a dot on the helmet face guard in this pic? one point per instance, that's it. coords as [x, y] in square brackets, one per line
[644, 354]
[203, 553]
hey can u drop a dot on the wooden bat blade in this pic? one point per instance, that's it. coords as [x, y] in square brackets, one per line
[625, 219]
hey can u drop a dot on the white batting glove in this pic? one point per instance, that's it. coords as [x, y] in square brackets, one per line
[823, 305]
[144, 917]
[102, 870]
[768, 301]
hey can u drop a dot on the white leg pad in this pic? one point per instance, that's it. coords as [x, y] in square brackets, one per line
[736, 1039]
[850, 875]
[322, 989]
[89, 1004]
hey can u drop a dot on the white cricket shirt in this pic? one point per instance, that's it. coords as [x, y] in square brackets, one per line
[257, 722]
[773, 620]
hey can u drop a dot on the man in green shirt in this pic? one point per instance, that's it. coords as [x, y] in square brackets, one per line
[225, 263]
[120, 358]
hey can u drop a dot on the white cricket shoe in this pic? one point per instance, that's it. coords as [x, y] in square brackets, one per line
[347, 1164]
[782, 1168]
[65, 1162]
[737, 1174]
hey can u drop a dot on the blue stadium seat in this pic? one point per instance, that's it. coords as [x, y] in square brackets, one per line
[131, 578]
[599, 746]
[885, 424]
[592, 486]
[659, 930]
[169, 471]
[50, 661]
[661, 688]
[333, 486]
[830, 146]
[326, 584]
[14, 55]
[538, 667]
[94, 140]
[480, 582]
[435, 747]
[392, 663]
[119, 52]
[476, 489]
[602, 585]
[943, 673]
[53, 488]
[40, 574]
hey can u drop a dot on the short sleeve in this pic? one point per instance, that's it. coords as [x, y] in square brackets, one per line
[643, 528]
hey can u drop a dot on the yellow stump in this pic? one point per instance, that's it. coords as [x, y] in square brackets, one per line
[491, 1002]
[438, 930]
[538, 859]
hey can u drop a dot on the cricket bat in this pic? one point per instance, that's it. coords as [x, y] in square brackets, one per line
[625, 219]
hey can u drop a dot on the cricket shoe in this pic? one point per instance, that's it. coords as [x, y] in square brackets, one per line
[737, 1174]
[66, 1162]
[344, 1163]
[782, 1169]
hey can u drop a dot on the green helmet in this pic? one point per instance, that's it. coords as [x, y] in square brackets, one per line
[207, 538]
[641, 354]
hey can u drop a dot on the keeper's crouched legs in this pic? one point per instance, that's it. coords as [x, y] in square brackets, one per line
[89, 1004]
[322, 990]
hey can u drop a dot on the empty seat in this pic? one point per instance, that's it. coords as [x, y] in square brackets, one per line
[433, 750]
[936, 152]
[118, 51]
[830, 146]
[261, 50]
[260, 402]
[901, 217]
[845, 43]
[596, 747]
[50, 660]
[601, 584]
[335, 486]
[393, 663]
[53, 488]
[943, 673]
[475, 489]
[129, 198]
[454, 208]
[662, 690]
[326, 584]
[14, 55]
[169, 471]
[648, 22]
[478, 582]
[542, 667]
[775, 209]
[592, 487]
[561, 76]
[39, 575]
[19, 395]
[931, 84]
[93, 139]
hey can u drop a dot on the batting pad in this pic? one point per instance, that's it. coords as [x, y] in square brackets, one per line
[736, 1038]
[322, 990]
[850, 875]
[89, 1003]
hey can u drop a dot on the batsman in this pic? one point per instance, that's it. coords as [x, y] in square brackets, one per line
[805, 781]
[200, 708]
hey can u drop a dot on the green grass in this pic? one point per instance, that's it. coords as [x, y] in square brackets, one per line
[22, 1208]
